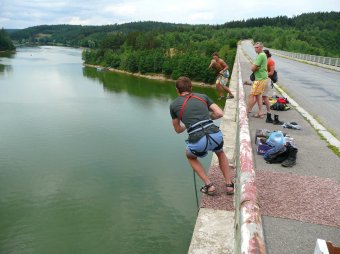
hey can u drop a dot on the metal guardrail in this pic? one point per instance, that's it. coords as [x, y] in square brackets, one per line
[312, 58]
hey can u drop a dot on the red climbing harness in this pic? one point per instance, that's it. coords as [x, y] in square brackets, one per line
[185, 103]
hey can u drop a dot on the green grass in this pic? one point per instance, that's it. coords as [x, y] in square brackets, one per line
[335, 150]
[329, 130]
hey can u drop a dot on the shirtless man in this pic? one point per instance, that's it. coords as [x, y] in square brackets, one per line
[221, 69]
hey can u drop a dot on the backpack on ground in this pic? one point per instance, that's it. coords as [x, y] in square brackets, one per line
[278, 106]
[287, 156]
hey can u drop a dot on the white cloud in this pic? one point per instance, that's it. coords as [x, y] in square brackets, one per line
[243, 9]
[201, 17]
[126, 9]
[21, 13]
[78, 21]
[189, 6]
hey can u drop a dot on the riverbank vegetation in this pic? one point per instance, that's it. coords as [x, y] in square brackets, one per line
[6, 43]
[181, 49]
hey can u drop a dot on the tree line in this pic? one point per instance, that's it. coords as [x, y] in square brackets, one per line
[182, 49]
[6, 43]
[315, 33]
[173, 54]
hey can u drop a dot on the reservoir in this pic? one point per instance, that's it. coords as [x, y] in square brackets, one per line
[89, 161]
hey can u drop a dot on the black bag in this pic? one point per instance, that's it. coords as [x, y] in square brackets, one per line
[281, 157]
[252, 76]
[274, 78]
[278, 106]
[278, 157]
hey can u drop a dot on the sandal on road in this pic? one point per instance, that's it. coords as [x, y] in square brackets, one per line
[230, 185]
[205, 189]
[258, 115]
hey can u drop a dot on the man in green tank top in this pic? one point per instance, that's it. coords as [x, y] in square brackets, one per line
[259, 68]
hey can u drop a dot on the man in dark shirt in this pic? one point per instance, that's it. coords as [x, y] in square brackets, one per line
[196, 112]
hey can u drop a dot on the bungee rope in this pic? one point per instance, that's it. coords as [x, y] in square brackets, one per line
[196, 191]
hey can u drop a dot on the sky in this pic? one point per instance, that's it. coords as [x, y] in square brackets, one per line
[17, 14]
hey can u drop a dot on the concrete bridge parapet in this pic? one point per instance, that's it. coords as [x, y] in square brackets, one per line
[238, 230]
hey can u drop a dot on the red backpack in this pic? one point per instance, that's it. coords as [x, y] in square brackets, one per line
[282, 100]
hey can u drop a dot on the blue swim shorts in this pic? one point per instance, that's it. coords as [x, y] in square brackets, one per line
[202, 143]
[222, 80]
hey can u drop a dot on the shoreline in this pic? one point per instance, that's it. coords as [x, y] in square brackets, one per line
[159, 77]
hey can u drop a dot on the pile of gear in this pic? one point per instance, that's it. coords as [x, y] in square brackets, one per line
[291, 125]
[279, 103]
[276, 147]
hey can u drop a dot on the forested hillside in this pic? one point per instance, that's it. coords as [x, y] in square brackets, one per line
[5, 42]
[180, 49]
[310, 33]
[86, 36]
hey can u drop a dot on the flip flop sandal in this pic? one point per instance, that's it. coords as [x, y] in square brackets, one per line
[205, 190]
[258, 116]
[230, 185]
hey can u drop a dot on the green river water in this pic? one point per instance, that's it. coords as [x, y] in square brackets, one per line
[89, 161]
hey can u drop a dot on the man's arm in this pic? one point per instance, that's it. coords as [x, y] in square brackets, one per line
[258, 61]
[216, 111]
[179, 128]
[254, 67]
[212, 63]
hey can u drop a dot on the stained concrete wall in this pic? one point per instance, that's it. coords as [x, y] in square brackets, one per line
[238, 231]
[215, 229]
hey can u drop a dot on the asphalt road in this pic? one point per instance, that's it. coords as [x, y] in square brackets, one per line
[314, 88]
[285, 233]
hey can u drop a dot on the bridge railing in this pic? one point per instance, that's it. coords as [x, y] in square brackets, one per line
[249, 236]
[332, 61]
